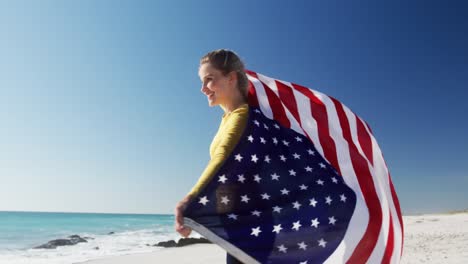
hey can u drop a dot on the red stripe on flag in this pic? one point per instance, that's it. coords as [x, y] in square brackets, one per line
[396, 202]
[365, 141]
[251, 73]
[276, 106]
[398, 209]
[319, 113]
[367, 243]
[390, 243]
[287, 97]
[252, 99]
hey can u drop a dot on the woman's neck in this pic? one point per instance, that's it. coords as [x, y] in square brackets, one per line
[233, 104]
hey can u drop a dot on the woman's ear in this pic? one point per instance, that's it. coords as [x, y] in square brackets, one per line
[232, 76]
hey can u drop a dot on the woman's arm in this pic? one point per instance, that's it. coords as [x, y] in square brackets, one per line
[233, 130]
[179, 217]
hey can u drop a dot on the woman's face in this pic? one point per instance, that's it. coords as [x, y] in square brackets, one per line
[215, 85]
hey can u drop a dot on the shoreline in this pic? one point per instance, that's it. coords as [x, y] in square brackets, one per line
[429, 238]
[192, 254]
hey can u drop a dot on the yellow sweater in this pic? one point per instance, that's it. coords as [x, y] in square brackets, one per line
[230, 130]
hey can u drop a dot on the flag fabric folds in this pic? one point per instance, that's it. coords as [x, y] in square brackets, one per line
[307, 183]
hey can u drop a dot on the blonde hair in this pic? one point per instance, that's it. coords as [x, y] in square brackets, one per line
[227, 61]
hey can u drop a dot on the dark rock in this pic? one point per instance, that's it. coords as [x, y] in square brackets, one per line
[55, 243]
[96, 248]
[170, 243]
[111, 233]
[75, 239]
[72, 240]
[182, 242]
[190, 241]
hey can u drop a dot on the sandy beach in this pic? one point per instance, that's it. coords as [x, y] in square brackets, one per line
[194, 254]
[436, 238]
[431, 238]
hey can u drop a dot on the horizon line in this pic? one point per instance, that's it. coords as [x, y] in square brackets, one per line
[61, 212]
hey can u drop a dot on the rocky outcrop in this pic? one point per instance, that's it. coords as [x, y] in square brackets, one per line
[167, 244]
[190, 241]
[182, 242]
[70, 241]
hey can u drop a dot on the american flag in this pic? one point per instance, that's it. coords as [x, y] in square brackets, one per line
[307, 183]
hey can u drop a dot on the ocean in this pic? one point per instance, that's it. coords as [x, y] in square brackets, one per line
[20, 232]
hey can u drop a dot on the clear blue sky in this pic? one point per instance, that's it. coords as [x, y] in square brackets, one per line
[101, 110]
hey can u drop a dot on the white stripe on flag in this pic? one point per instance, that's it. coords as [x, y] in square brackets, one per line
[382, 170]
[262, 97]
[308, 122]
[379, 249]
[360, 218]
[272, 85]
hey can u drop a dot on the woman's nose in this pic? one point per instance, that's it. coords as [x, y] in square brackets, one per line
[203, 88]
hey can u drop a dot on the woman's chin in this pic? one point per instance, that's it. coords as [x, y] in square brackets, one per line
[212, 103]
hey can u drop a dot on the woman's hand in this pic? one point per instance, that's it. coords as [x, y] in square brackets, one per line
[179, 217]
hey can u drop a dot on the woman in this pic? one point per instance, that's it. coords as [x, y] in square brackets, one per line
[225, 84]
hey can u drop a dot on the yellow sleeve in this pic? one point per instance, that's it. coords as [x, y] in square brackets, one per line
[230, 134]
